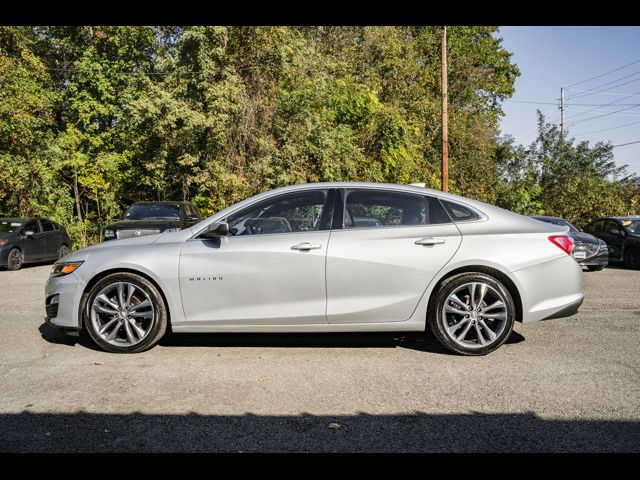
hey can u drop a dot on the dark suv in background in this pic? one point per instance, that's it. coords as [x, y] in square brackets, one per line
[622, 236]
[28, 240]
[148, 218]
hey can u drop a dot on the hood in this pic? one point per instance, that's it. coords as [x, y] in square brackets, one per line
[583, 237]
[152, 223]
[7, 235]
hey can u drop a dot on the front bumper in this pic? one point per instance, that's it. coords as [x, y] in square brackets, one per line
[600, 258]
[4, 256]
[68, 289]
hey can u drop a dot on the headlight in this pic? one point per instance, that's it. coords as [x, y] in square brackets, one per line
[64, 268]
[166, 230]
[3, 242]
[109, 233]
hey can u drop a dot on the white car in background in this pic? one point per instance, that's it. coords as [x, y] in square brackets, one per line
[326, 257]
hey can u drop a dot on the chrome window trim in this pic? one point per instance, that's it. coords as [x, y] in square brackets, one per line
[342, 188]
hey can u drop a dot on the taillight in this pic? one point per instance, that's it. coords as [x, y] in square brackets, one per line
[563, 242]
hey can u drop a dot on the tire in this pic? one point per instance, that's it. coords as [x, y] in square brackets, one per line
[595, 268]
[632, 258]
[149, 319]
[64, 251]
[501, 323]
[15, 260]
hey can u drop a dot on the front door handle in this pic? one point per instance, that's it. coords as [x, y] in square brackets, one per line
[304, 246]
[430, 241]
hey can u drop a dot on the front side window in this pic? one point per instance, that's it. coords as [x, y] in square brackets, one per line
[371, 209]
[633, 226]
[296, 212]
[32, 226]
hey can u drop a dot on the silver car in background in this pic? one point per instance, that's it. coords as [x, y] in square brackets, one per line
[325, 257]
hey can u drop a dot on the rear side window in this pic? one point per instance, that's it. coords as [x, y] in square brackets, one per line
[47, 226]
[596, 227]
[371, 209]
[458, 212]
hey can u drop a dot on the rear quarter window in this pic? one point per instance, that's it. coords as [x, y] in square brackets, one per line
[459, 213]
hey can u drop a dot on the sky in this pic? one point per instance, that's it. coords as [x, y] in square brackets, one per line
[552, 57]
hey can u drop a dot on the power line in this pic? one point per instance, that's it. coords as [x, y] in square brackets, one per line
[628, 143]
[600, 93]
[603, 115]
[603, 74]
[614, 86]
[571, 104]
[605, 105]
[606, 129]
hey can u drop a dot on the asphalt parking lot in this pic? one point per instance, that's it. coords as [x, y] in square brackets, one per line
[562, 385]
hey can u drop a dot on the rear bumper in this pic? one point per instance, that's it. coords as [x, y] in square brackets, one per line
[550, 290]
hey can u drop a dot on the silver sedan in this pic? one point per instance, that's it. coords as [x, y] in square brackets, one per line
[325, 257]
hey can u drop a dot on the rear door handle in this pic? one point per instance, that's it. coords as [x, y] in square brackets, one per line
[430, 241]
[304, 246]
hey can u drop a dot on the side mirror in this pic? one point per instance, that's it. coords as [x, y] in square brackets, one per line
[29, 234]
[216, 230]
[615, 231]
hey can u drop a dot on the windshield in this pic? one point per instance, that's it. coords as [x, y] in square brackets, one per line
[633, 226]
[152, 211]
[9, 225]
[560, 222]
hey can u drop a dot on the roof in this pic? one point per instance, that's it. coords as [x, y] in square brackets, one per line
[547, 217]
[627, 217]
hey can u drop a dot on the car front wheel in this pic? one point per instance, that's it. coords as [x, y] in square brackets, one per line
[125, 313]
[473, 314]
[64, 251]
[15, 259]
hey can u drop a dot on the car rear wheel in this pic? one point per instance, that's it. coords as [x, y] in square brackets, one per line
[632, 258]
[473, 314]
[125, 313]
[64, 251]
[15, 259]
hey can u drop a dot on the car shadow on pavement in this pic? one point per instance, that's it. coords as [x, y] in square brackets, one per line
[53, 335]
[424, 342]
[420, 341]
[361, 432]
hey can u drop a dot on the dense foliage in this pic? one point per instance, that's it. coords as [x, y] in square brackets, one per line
[94, 118]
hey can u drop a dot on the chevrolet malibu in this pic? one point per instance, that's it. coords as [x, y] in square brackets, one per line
[326, 257]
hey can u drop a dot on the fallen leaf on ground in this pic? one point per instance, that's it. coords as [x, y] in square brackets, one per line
[334, 425]
[98, 363]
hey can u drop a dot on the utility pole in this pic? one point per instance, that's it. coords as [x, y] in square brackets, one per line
[561, 112]
[444, 168]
